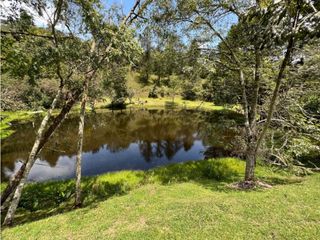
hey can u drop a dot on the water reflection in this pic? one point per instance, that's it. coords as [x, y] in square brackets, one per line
[139, 139]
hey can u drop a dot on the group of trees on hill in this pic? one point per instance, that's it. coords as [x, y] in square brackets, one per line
[267, 62]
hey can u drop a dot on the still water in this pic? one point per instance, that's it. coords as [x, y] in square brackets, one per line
[119, 140]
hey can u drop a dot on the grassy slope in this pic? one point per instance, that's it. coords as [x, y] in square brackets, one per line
[188, 201]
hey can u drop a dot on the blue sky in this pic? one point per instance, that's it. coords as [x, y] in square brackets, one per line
[127, 4]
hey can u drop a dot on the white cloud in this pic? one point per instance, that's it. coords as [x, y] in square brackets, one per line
[42, 171]
[12, 8]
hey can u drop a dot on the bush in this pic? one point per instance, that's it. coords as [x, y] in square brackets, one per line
[153, 93]
[144, 78]
[313, 105]
[189, 94]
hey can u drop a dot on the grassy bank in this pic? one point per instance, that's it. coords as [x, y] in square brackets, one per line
[178, 102]
[166, 103]
[7, 118]
[192, 200]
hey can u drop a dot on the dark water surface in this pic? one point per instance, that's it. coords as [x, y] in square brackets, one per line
[129, 139]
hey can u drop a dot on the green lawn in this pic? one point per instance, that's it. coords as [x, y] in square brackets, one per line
[193, 200]
[178, 102]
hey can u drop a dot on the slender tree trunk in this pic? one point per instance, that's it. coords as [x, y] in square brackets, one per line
[48, 133]
[275, 93]
[35, 148]
[283, 66]
[78, 201]
[32, 157]
[249, 172]
[250, 161]
[252, 137]
[253, 150]
[257, 76]
[88, 77]
[245, 103]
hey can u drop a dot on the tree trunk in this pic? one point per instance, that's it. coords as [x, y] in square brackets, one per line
[78, 201]
[245, 103]
[25, 170]
[88, 77]
[275, 93]
[257, 75]
[252, 137]
[250, 162]
[249, 173]
[54, 125]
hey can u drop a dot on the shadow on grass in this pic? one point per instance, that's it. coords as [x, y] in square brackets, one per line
[41, 200]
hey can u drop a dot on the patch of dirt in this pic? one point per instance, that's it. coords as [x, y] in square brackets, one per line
[247, 185]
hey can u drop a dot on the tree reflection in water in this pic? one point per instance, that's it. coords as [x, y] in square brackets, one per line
[138, 139]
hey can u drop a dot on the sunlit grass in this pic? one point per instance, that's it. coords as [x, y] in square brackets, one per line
[166, 103]
[8, 117]
[190, 200]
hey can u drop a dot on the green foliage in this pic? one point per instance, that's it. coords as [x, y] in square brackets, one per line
[312, 104]
[217, 169]
[296, 140]
[189, 91]
[116, 86]
[222, 170]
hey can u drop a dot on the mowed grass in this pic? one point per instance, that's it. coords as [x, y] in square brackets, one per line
[192, 200]
[169, 103]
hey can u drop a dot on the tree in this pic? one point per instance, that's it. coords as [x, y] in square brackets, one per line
[265, 27]
[88, 60]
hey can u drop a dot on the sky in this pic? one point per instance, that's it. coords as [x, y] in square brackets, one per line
[224, 25]
[127, 4]
[5, 8]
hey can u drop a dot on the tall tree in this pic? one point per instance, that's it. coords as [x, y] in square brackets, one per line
[97, 28]
[266, 25]
[69, 14]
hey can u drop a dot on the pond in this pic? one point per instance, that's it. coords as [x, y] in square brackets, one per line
[128, 139]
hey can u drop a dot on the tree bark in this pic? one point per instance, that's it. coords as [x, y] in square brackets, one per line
[256, 87]
[250, 161]
[78, 201]
[252, 137]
